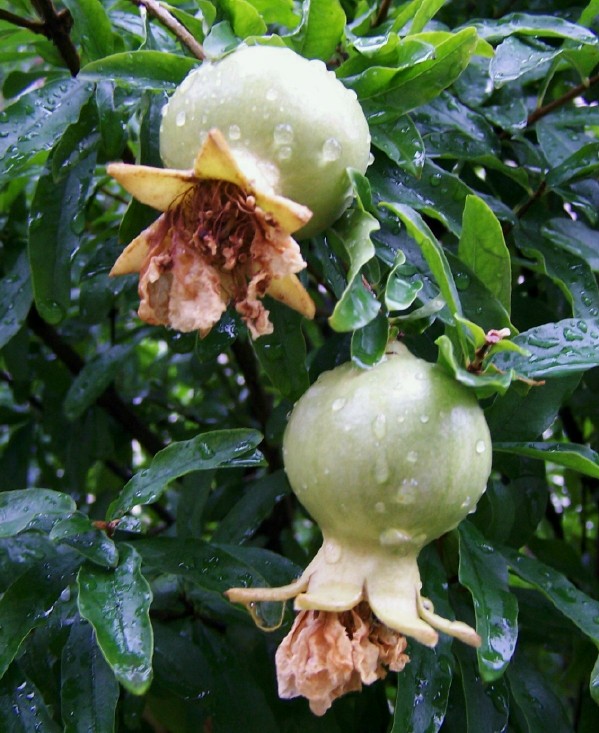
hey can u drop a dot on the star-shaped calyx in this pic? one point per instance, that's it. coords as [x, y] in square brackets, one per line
[222, 238]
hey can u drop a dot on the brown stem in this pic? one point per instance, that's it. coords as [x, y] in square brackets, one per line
[530, 201]
[381, 16]
[169, 21]
[57, 27]
[560, 101]
[31, 25]
[109, 400]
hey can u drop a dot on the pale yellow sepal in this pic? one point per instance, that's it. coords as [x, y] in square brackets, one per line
[155, 187]
[289, 291]
[132, 257]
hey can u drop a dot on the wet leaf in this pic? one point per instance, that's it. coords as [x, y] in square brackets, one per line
[369, 342]
[400, 140]
[143, 69]
[16, 288]
[579, 458]
[78, 532]
[117, 605]
[22, 707]
[19, 508]
[320, 30]
[545, 26]
[218, 449]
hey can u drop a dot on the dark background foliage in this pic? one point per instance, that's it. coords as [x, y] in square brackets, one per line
[140, 472]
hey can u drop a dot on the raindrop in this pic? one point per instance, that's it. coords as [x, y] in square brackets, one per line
[435, 179]
[379, 426]
[180, 118]
[394, 536]
[338, 404]
[381, 469]
[412, 456]
[480, 446]
[283, 134]
[331, 150]
[234, 132]
[424, 419]
[405, 495]
[462, 280]
[379, 507]
[285, 152]
[466, 503]
[272, 94]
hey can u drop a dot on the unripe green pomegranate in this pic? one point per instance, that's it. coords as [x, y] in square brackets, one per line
[291, 125]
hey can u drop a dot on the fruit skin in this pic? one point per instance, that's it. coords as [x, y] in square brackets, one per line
[290, 123]
[396, 455]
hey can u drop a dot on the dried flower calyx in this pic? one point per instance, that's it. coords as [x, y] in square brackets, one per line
[221, 239]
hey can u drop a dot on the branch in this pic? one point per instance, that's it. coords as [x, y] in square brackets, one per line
[56, 27]
[560, 101]
[381, 16]
[169, 21]
[31, 25]
[109, 399]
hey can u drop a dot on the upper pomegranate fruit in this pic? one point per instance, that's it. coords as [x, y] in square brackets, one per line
[291, 125]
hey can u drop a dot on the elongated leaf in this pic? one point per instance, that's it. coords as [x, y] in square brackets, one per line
[79, 533]
[36, 121]
[92, 25]
[22, 707]
[400, 292]
[117, 604]
[426, 10]
[218, 449]
[579, 458]
[245, 19]
[547, 26]
[89, 691]
[556, 349]
[142, 69]
[94, 378]
[37, 591]
[584, 162]
[52, 237]
[482, 247]
[402, 142]
[20, 508]
[575, 237]
[484, 572]
[16, 300]
[514, 58]
[282, 353]
[320, 30]
[369, 342]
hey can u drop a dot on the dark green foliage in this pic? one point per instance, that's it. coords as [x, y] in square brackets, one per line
[140, 469]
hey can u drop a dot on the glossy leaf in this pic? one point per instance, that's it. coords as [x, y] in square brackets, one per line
[482, 247]
[320, 29]
[400, 292]
[16, 286]
[19, 508]
[484, 572]
[579, 458]
[36, 121]
[22, 707]
[78, 532]
[36, 590]
[92, 26]
[143, 69]
[545, 26]
[245, 19]
[117, 605]
[584, 162]
[556, 349]
[575, 237]
[282, 353]
[369, 342]
[425, 11]
[89, 691]
[514, 58]
[218, 449]
[401, 142]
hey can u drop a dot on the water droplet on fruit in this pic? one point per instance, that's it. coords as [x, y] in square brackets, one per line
[164, 110]
[420, 376]
[180, 118]
[272, 94]
[394, 536]
[424, 419]
[412, 456]
[284, 153]
[331, 150]
[480, 446]
[379, 507]
[234, 132]
[381, 469]
[370, 159]
[338, 404]
[379, 426]
[332, 551]
[466, 503]
[283, 134]
[406, 494]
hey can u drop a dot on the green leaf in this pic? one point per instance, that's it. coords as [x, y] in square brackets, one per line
[94, 378]
[22, 707]
[357, 306]
[544, 26]
[79, 141]
[411, 88]
[514, 58]
[89, 691]
[92, 26]
[482, 247]
[575, 237]
[485, 384]
[245, 19]
[484, 572]
[217, 449]
[117, 604]
[282, 353]
[55, 211]
[556, 349]
[426, 10]
[541, 707]
[401, 141]
[36, 121]
[401, 292]
[16, 300]
[256, 504]
[78, 532]
[19, 508]
[320, 30]
[581, 164]
[27, 603]
[369, 342]
[579, 458]
[141, 69]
